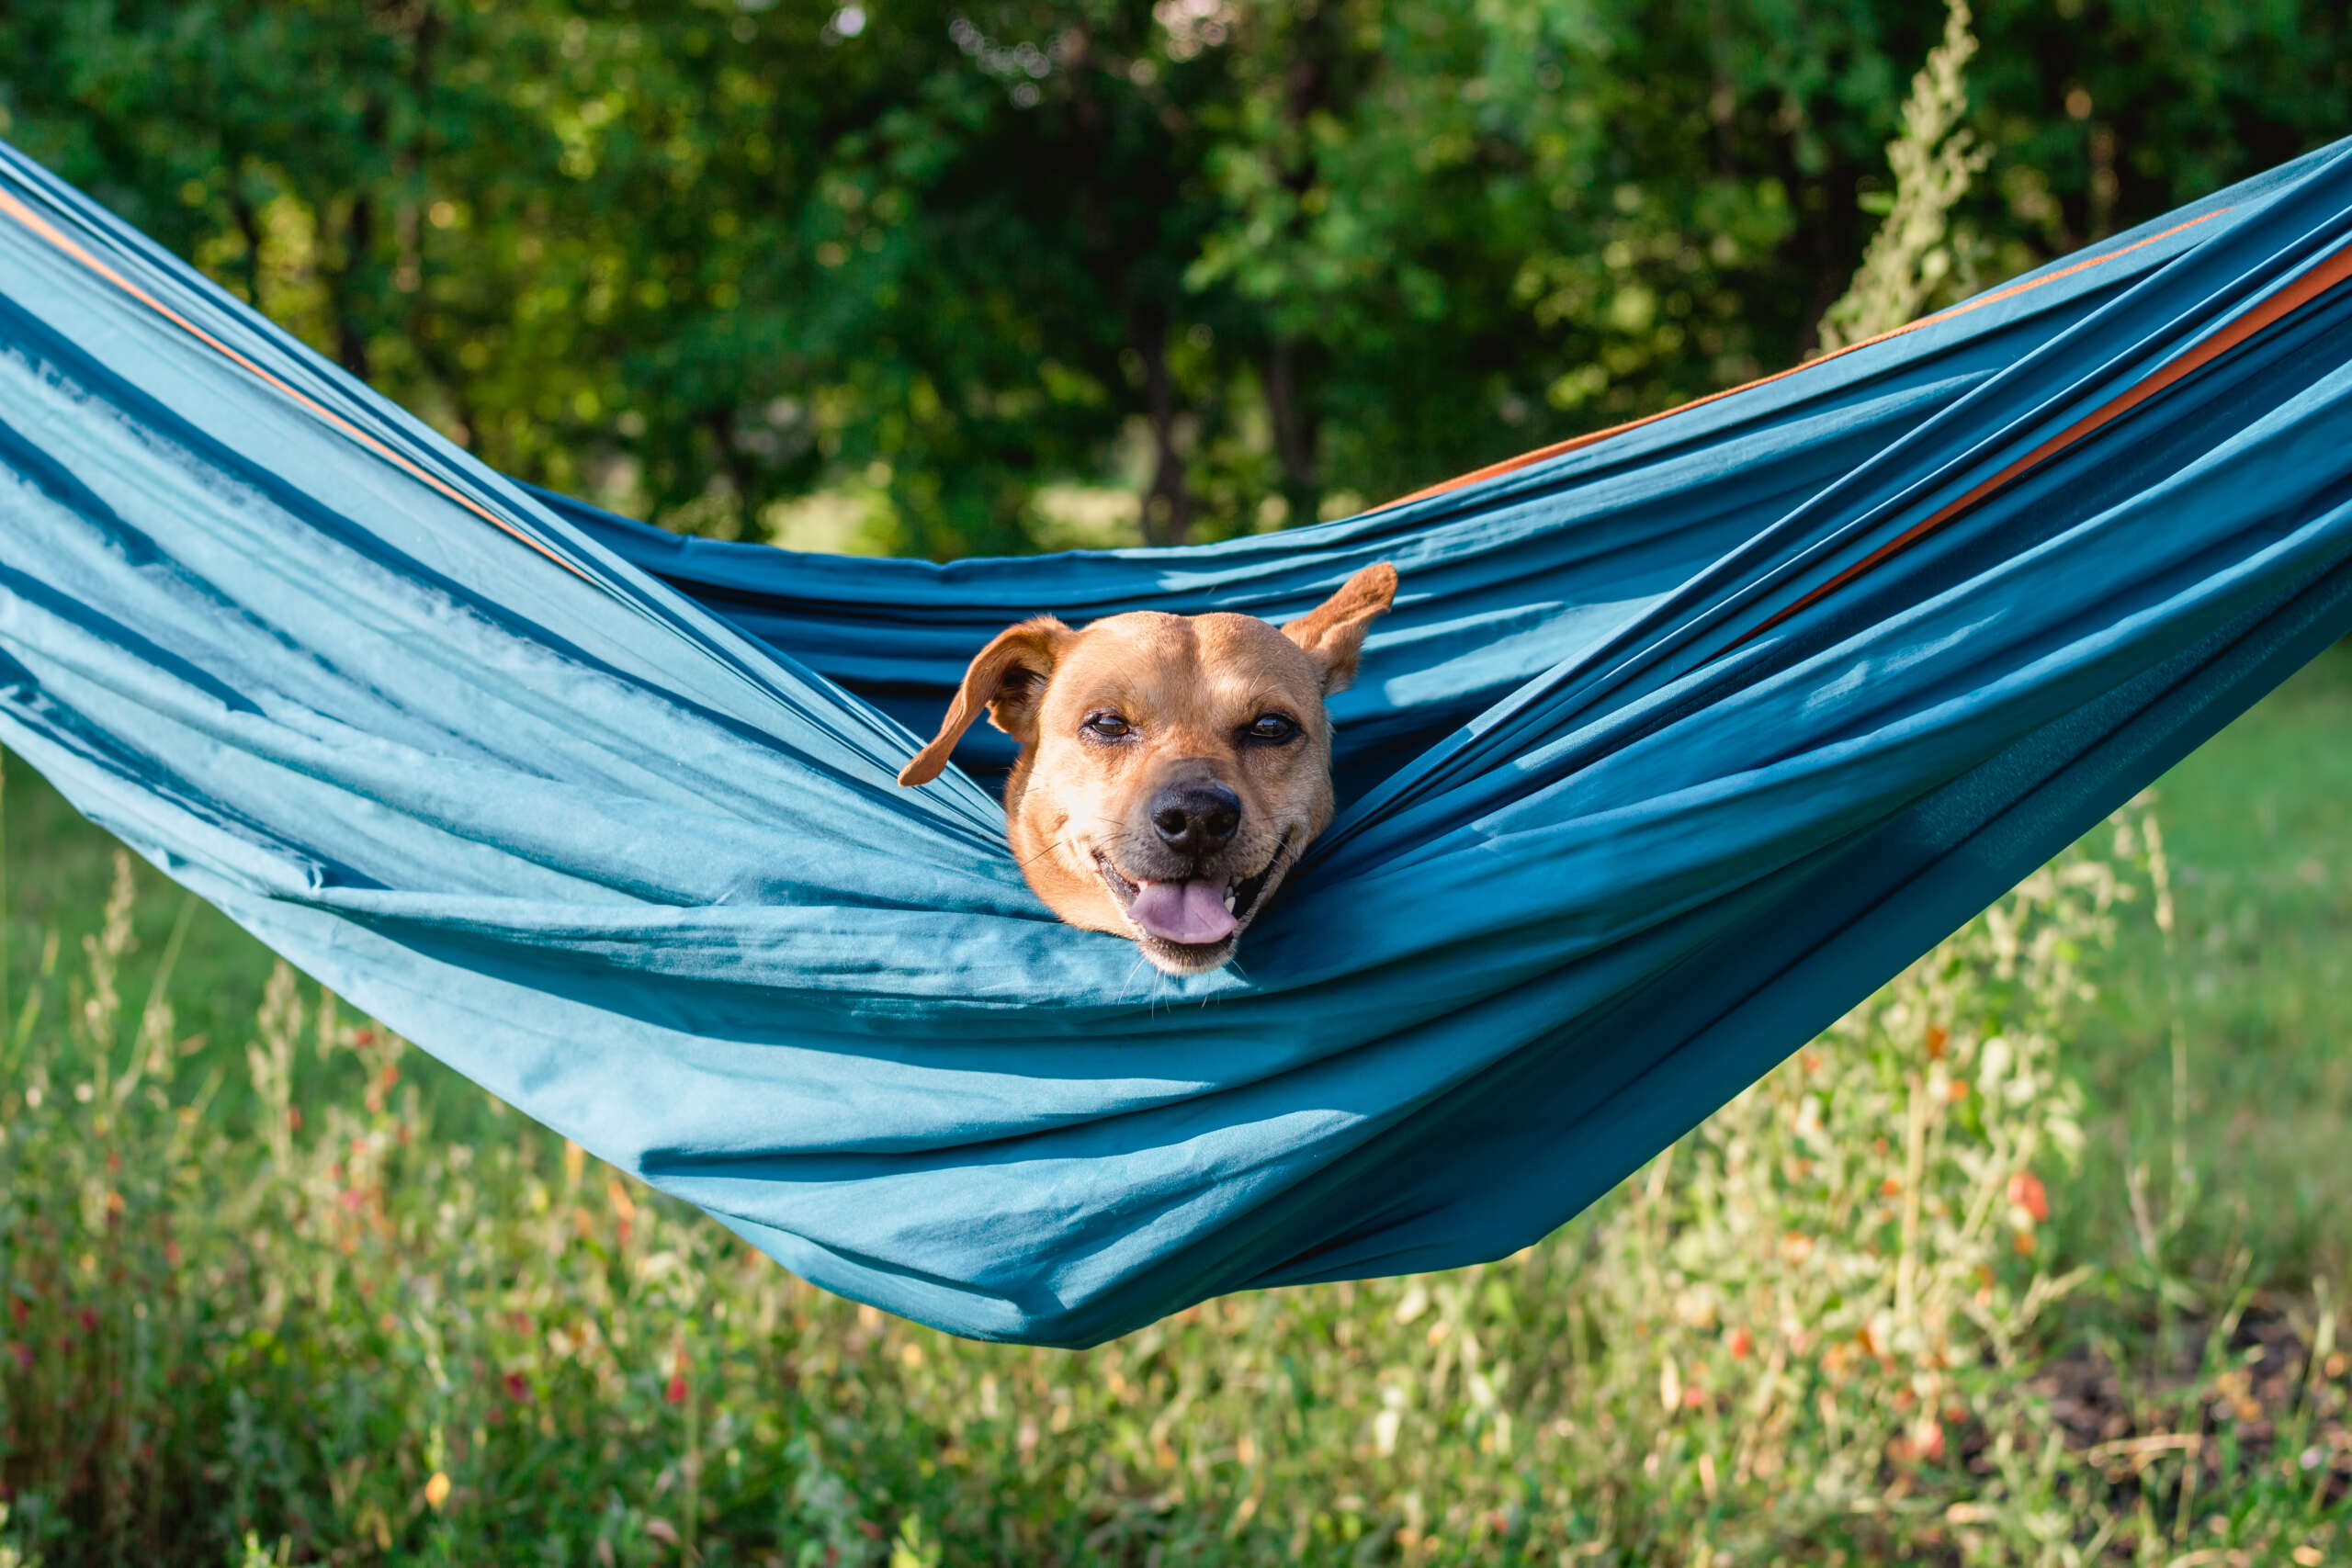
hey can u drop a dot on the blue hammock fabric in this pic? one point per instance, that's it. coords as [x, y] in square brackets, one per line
[1678, 743]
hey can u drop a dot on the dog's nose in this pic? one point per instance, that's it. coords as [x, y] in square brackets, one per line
[1195, 816]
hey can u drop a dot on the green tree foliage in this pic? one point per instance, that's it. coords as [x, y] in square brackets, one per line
[939, 260]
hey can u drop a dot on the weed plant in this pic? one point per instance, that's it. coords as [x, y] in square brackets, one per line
[1819, 1330]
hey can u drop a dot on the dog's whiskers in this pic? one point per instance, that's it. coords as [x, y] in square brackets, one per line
[1149, 972]
[1070, 844]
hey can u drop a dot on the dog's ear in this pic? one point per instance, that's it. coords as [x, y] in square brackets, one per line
[1333, 632]
[1008, 678]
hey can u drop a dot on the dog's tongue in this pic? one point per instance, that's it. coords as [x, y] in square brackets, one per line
[1190, 912]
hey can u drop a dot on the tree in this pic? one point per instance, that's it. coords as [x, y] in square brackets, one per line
[1255, 262]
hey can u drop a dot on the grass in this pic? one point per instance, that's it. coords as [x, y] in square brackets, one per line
[2259, 825]
[278, 1289]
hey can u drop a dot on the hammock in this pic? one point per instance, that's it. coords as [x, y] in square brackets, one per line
[1682, 740]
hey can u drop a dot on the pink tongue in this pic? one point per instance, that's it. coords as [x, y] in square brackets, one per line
[1190, 912]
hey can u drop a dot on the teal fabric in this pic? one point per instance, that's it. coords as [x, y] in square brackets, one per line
[1631, 806]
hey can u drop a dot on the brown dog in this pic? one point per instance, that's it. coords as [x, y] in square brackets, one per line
[1173, 767]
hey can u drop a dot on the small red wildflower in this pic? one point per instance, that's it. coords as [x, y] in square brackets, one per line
[517, 1386]
[2027, 1193]
[89, 1316]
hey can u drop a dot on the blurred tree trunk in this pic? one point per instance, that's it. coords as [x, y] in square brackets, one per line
[1168, 503]
[346, 281]
[1294, 432]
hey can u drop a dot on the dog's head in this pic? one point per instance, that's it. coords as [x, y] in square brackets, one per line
[1172, 768]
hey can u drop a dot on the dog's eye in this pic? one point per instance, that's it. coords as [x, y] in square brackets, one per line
[1273, 726]
[1107, 726]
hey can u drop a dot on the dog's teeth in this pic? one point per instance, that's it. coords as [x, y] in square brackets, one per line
[1228, 900]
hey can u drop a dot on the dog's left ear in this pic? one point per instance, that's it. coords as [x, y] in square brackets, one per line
[1333, 632]
[1007, 678]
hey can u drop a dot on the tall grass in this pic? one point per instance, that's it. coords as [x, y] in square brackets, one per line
[322, 1327]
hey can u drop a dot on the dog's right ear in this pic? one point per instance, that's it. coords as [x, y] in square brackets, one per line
[1008, 678]
[1331, 633]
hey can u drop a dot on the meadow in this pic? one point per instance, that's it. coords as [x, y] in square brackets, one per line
[2038, 1258]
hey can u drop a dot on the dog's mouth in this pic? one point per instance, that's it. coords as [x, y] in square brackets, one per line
[1190, 924]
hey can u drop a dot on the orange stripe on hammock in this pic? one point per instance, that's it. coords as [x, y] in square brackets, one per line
[1576, 442]
[48, 232]
[2323, 277]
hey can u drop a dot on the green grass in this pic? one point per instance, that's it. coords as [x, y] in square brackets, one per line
[276, 1288]
[59, 868]
[2258, 824]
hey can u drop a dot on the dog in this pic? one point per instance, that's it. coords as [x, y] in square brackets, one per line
[1172, 768]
